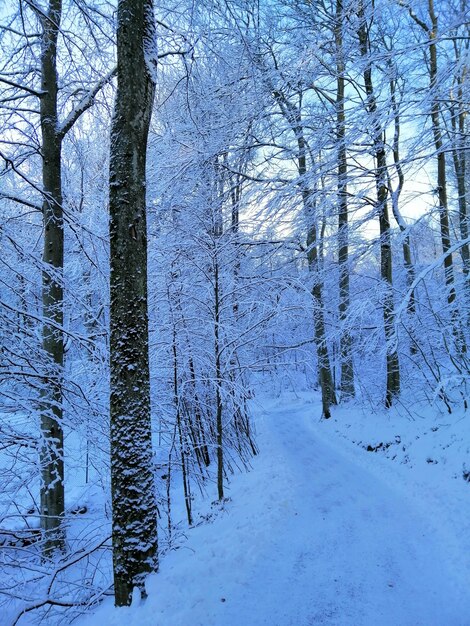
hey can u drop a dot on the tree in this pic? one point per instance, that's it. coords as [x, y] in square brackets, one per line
[57, 110]
[381, 183]
[132, 482]
[347, 369]
[291, 96]
[431, 31]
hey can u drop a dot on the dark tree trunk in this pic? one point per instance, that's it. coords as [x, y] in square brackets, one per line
[461, 161]
[52, 447]
[407, 260]
[134, 532]
[441, 158]
[182, 442]
[293, 115]
[218, 383]
[392, 361]
[432, 33]
[324, 368]
[347, 370]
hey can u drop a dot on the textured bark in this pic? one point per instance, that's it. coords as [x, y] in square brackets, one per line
[52, 448]
[347, 370]
[380, 174]
[134, 531]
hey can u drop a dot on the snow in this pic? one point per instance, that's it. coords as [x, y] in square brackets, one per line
[320, 531]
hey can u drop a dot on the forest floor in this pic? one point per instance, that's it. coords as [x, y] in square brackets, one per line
[321, 531]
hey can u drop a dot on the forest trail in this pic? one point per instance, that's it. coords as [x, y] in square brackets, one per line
[311, 538]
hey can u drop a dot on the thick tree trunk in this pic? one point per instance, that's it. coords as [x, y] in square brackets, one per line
[347, 370]
[52, 445]
[134, 531]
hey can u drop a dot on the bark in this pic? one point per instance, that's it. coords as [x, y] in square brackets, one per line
[324, 368]
[51, 454]
[52, 447]
[293, 116]
[395, 197]
[218, 383]
[432, 34]
[134, 524]
[460, 162]
[441, 160]
[235, 195]
[347, 370]
[380, 174]
[184, 471]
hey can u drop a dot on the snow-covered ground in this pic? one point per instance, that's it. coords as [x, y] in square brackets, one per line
[322, 531]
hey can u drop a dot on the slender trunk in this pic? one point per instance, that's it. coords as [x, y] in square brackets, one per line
[347, 370]
[432, 33]
[294, 118]
[441, 166]
[235, 194]
[395, 198]
[186, 485]
[218, 383]
[460, 162]
[197, 429]
[380, 173]
[199, 424]
[442, 182]
[52, 446]
[324, 368]
[134, 524]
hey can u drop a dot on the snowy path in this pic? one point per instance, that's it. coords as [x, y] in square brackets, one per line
[312, 538]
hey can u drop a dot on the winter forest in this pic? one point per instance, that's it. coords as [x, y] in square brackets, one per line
[234, 312]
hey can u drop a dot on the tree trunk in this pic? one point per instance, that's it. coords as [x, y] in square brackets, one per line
[395, 197]
[441, 165]
[184, 471]
[460, 162]
[218, 383]
[347, 370]
[324, 368]
[380, 174]
[432, 32]
[134, 525]
[293, 116]
[52, 444]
